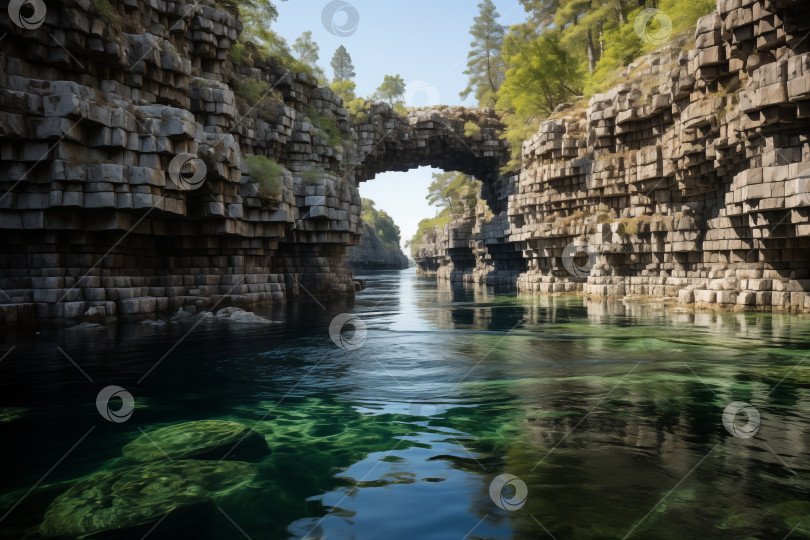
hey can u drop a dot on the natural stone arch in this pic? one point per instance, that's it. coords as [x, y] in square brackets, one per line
[436, 137]
[451, 139]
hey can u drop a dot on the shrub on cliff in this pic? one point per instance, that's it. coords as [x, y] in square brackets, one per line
[345, 89]
[267, 173]
[471, 129]
[251, 90]
[327, 127]
[358, 110]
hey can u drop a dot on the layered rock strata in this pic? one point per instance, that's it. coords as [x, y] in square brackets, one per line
[689, 181]
[125, 188]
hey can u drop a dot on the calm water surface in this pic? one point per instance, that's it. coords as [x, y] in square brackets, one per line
[610, 414]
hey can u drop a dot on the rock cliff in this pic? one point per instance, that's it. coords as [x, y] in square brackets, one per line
[372, 254]
[688, 181]
[124, 132]
[126, 129]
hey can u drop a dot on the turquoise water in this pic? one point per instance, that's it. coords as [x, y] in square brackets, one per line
[611, 415]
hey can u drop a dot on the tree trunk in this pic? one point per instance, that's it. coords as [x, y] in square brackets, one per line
[591, 53]
[601, 42]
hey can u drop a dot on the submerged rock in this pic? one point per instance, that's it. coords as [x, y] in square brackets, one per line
[11, 414]
[204, 439]
[139, 495]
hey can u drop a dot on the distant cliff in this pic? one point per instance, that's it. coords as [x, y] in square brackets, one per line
[372, 254]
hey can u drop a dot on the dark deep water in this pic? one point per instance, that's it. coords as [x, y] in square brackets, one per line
[612, 416]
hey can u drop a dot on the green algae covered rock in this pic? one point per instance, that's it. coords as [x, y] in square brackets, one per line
[204, 439]
[139, 495]
[12, 414]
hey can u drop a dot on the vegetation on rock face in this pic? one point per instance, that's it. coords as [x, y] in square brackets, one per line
[257, 18]
[251, 90]
[327, 128]
[455, 194]
[565, 49]
[358, 110]
[107, 12]
[267, 173]
[381, 223]
[471, 129]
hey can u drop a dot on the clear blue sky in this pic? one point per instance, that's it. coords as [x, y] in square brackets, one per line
[424, 41]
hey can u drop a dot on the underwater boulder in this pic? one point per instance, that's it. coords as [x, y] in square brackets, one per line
[136, 496]
[203, 439]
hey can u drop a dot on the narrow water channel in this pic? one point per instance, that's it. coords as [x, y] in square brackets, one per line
[610, 415]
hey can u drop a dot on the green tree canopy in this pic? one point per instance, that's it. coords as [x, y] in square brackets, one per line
[541, 74]
[454, 191]
[258, 17]
[345, 89]
[307, 52]
[541, 12]
[391, 90]
[484, 65]
[342, 65]
[381, 223]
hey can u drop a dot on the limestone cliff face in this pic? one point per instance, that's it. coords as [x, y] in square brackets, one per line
[124, 190]
[687, 181]
[372, 254]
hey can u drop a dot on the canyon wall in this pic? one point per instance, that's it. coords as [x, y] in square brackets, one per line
[372, 254]
[126, 188]
[126, 134]
[688, 181]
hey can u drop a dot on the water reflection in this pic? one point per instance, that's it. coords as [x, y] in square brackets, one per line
[611, 413]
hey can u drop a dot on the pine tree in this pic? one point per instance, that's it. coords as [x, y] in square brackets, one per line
[541, 12]
[342, 65]
[484, 65]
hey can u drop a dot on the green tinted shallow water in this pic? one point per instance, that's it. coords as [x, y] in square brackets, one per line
[611, 415]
